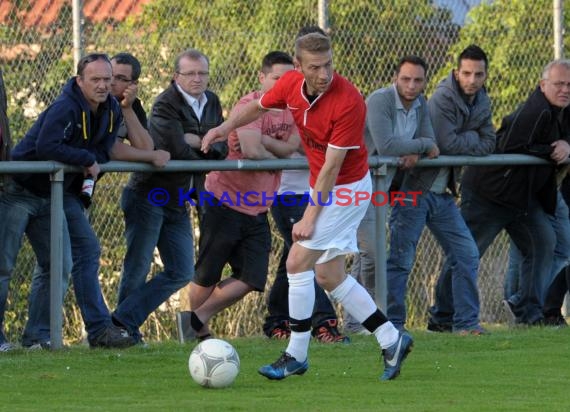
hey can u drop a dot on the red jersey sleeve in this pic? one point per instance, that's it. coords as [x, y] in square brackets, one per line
[348, 130]
[276, 97]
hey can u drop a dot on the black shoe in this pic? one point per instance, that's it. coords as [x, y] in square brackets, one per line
[112, 337]
[279, 331]
[439, 327]
[327, 332]
[557, 321]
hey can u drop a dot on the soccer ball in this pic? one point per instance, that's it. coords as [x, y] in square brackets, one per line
[214, 363]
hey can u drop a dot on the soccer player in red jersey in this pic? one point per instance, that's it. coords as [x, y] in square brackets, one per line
[330, 114]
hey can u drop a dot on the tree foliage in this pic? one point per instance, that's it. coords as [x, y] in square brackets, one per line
[517, 36]
[368, 37]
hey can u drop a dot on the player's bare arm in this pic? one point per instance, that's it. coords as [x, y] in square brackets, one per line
[250, 112]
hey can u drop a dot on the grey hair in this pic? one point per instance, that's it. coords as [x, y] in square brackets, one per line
[192, 54]
[555, 63]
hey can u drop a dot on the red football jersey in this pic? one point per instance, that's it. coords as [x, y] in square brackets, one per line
[335, 118]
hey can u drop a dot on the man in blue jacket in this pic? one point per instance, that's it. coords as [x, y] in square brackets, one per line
[124, 87]
[79, 128]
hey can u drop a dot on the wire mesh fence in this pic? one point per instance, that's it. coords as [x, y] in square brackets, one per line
[36, 53]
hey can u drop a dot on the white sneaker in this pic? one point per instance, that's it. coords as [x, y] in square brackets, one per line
[39, 346]
[508, 309]
[6, 347]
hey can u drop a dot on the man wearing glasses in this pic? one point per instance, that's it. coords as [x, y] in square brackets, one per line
[155, 214]
[124, 87]
[523, 199]
[79, 128]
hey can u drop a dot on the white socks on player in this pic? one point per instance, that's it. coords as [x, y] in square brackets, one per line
[354, 298]
[386, 335]
[301, 304]
[359, 304]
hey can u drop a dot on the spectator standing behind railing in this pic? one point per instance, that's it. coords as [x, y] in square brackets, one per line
[397, 124]
[124, 87]
[4, 155]
[524, 199]
[460, 112]
[236, 231]
[560, 286]
[180, 117]
[79, 128]
[5, 139]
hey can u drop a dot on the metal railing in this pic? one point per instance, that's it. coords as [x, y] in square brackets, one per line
[378, 164]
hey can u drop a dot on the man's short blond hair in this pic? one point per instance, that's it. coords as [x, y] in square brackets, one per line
[312, 43]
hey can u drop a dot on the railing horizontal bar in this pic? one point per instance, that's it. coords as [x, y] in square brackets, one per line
[207, 165]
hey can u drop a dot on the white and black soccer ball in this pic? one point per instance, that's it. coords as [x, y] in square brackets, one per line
[214, 363]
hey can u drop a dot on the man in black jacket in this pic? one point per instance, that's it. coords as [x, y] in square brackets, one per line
[520, 199]
[154, 203]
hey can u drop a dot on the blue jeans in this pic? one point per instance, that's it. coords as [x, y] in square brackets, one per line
[146, 227]
[23, 212]
[285, 217]
[561, 224]
[86, 251]
[441, 215]
[533, 235]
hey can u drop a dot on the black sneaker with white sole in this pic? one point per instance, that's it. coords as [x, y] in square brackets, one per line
[112, 337]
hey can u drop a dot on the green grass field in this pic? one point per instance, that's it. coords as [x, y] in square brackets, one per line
[509, 370]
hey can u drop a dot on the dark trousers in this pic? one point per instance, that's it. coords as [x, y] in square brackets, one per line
[561, 284]
[285, 216]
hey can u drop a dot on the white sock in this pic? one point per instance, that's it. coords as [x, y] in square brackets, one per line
[354, 298]
[386, 335]
[359, 304]
[301, 294]
[301, 304]
[299, 345]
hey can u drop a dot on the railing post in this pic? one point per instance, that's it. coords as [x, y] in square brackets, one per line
[77, 12]
[380, 287]
[56, 260]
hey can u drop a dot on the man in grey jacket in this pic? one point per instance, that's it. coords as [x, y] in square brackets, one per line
[397, 124]
[435, 207]
[460, 111]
